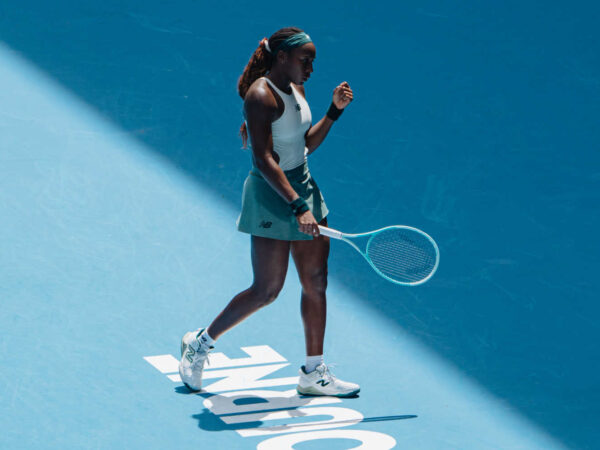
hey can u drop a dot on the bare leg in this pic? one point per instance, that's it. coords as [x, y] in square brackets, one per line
[310, 258]
[269, 263]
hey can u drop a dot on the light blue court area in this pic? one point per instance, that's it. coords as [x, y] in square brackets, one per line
[120, 180]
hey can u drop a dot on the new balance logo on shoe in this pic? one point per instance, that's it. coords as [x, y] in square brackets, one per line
[190, 354]
[322, 383]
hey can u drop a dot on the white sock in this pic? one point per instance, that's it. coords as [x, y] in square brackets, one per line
[206, 339]
[312, 362]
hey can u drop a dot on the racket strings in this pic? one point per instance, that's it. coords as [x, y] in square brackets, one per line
[403, 255]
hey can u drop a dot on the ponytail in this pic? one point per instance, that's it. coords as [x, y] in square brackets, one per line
[260, 64]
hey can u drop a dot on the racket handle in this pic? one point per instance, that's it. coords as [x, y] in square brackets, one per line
[330, 232]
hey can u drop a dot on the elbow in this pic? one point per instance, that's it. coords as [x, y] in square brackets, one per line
[261, 162]
[308, 143]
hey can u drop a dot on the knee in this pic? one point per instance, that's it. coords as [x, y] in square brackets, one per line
[266, 294]
[315, 281]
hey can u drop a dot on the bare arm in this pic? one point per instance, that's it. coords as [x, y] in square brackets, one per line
[260, 112]
[317, 133]
[342, 96]
[261, 109]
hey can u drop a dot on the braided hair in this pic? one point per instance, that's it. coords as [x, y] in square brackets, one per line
[260, 63]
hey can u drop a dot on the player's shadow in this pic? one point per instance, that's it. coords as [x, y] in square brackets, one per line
[211, 422]
[208, 421]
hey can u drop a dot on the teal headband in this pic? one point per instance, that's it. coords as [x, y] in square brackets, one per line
[295, 40]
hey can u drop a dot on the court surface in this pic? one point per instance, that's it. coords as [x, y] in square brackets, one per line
[120, 181]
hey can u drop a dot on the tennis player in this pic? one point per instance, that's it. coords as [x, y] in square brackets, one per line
[282, 205]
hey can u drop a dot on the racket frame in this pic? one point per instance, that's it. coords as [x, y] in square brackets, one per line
[347, 237]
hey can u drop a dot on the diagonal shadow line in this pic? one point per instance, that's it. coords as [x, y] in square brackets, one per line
[97, 73]
[200, 169]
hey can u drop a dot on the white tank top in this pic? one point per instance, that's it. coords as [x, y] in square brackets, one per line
[288, 131]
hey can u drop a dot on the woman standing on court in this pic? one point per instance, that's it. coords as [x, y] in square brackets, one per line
[281, 205]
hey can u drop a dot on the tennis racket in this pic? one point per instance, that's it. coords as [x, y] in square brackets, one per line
[400, 254]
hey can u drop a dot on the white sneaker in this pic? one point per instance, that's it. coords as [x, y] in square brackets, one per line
[193, 356]
[322, 382]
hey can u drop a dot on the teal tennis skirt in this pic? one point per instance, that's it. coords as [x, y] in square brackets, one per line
[266, 214]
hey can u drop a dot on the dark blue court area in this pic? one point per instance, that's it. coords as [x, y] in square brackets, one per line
[121, 174]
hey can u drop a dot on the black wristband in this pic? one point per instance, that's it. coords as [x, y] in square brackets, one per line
[333, 112]
[299, 206]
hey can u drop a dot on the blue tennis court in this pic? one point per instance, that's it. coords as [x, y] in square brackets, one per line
[121, 172]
